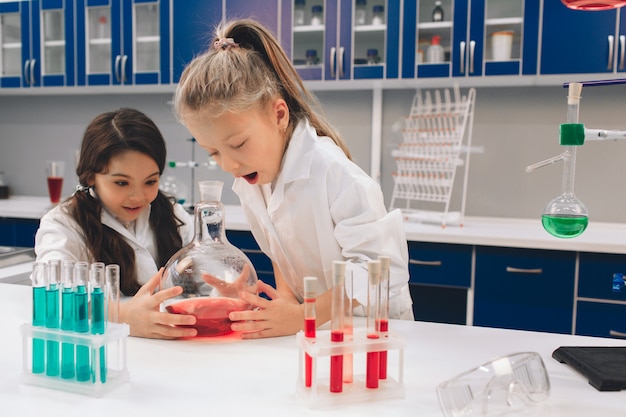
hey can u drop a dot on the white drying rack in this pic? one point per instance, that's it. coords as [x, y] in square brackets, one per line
[432, 149]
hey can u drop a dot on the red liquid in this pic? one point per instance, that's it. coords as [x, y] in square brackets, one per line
[211, 313]
[383, 327]
[336, 364]
[593, 4]
[55, 185]
[373, 365]
[309, 332]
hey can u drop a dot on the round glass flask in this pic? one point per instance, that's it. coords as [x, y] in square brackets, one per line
[211, 271]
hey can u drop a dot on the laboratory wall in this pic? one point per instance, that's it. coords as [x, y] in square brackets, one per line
[513, 127]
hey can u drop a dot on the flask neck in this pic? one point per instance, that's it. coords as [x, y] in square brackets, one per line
[209, 222]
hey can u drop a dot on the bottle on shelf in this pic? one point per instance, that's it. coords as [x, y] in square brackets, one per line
[372, 56]
[438, 12]
[317, 15]
[378, 15]
[299, 12]
[311, 57]
[434, 54]
[360, 12]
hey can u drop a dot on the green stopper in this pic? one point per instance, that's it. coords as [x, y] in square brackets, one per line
[572, 134]
[172, 164]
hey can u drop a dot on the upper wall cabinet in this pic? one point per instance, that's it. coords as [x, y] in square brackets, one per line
[578, 42]
[342, 39]
[123, 42]
[37, 43]
[467, 38]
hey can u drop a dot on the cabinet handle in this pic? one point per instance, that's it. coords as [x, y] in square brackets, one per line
[117, 67]
[610, 64]
[424, 263]
[123, 68]
[462, 47]
[333, 53]
[622, 48]
[340, 60]
[615, 333]
[26, 65]
[523, 270]
[471, 57]
[32, 71]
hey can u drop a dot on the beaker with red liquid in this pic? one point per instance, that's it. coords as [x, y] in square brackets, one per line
[54, 174]
[592, 5]
[211, 271]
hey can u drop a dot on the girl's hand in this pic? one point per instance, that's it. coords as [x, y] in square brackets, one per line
[279, 316]
[231, 289]
[143, 315]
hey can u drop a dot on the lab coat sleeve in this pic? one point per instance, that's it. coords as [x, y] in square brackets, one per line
[60, 237]
[365, 230]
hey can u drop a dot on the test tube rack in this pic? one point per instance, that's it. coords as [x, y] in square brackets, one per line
[321, 349]
[114, 339]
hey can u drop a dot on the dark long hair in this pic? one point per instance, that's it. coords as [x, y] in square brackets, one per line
[107, 136]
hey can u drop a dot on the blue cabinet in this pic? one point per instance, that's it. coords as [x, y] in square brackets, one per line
[469, 35]
[338, 46]
[578, 42]
[123, 42]
[600, 308]
[440, 275]
[18, 232]
[244, 240]
[37, 43]
[525, 289]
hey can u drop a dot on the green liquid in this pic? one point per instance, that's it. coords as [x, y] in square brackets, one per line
[564, 227]
[97, 327]
[39, 319]
[67, 323]
[52, 322]
[81, 324]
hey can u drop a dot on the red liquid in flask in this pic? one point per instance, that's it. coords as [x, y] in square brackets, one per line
[593, 4]
[211, 313]
[309, 332]
[336, 364]
[55, 185]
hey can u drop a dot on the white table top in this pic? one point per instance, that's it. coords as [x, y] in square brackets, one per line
[258, 378]
[506, 232]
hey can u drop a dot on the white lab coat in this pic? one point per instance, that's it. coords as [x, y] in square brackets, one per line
[324, 208]
[60, 237]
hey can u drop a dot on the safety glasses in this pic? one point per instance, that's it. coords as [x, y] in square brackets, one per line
[496, 387]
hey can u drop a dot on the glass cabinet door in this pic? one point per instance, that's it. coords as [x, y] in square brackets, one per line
[11, 44]
[308, 34]
[53, 44]
[57, 42]
[147, 39]
[434, 34]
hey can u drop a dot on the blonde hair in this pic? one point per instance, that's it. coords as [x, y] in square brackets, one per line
[244, 69]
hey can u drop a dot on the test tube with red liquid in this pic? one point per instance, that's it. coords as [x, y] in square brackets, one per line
[373, 317]
[337, 313]
[348, 358]
[310, 292]
[383, 326]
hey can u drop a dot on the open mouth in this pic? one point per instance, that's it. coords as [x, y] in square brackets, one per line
[252, 178]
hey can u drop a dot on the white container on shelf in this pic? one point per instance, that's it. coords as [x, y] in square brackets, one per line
[501, 45]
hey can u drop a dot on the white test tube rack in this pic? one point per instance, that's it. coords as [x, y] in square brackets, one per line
[114, 339]
[321, 349]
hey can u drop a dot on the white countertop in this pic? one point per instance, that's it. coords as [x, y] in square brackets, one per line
[506, 232]
[231, 377]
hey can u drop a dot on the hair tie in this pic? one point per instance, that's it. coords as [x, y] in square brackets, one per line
[81, 188]
[224, 43]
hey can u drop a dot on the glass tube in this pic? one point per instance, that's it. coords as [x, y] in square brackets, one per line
[348, 326]
[98, 310]
[337, 313]
[113, 291]
[68, 368]
[310, 292]
[53, 278]
[373, 298]
[38, 278]
[383, 327]
[81, 319]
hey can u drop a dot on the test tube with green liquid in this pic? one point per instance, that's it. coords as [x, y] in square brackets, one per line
[67, 318]
[81, 319]
[38, 278]
[53, 278]
[98, 318]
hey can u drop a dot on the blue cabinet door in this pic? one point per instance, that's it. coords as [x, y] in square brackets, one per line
[54, 73]
[525, 289]
[577, 42]
[192, 32]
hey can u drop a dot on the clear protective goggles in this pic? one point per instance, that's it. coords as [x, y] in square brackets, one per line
[496, 387]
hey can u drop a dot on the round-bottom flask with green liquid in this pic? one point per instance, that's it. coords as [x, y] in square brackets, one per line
[564, 226]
